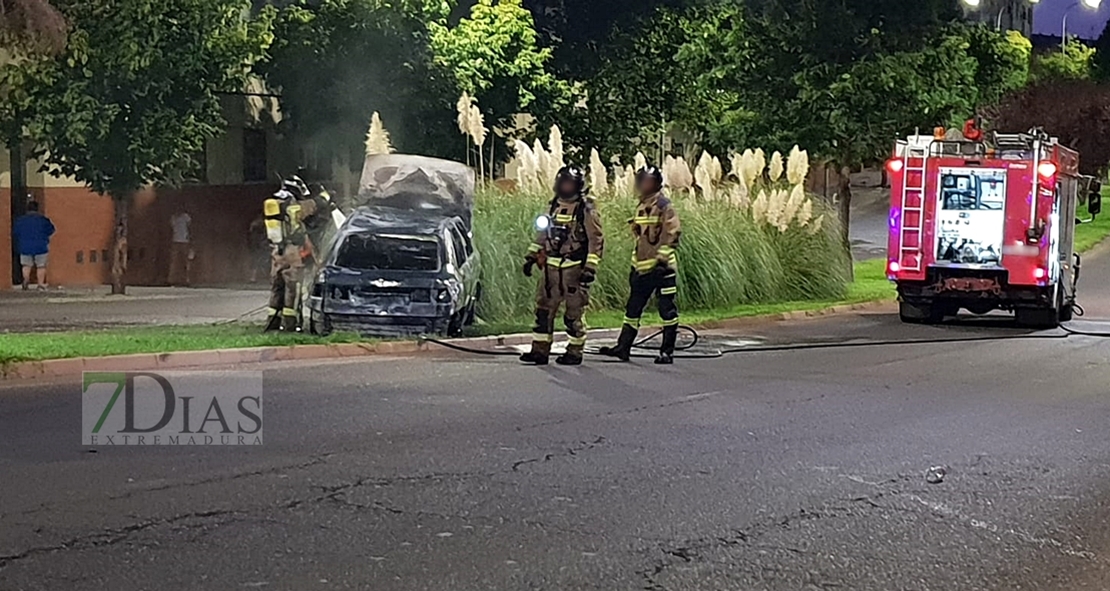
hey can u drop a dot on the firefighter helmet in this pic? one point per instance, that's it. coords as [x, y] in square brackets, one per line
[571, 174]
[296, 186]
[651, 173]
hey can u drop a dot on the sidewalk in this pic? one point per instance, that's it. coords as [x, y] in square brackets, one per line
[94, 307]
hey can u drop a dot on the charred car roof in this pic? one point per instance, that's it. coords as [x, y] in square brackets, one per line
[391, 220]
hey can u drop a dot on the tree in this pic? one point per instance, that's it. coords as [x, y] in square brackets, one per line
[336, 62]
[638, 90]
[493, 55]
[133, 96]
[31, 26]
[1075, 62]
[1002, 61]
[1076, 111]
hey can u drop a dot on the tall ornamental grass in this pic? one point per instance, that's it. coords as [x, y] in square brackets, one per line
[726, 257]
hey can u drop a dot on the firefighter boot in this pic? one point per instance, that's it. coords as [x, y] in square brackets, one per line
[666, 350]
[623, 350]
[289, 324]
[273, 321]
[573, 356]
[539, 353]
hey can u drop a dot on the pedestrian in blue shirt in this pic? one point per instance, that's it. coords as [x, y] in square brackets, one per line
[32, 232]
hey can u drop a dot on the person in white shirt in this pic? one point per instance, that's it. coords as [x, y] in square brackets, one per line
[181, 249]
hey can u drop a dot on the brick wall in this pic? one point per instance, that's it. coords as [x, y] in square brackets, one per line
[221, 219]
[83, 235]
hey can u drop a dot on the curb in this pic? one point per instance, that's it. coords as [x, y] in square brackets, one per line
[57, 368]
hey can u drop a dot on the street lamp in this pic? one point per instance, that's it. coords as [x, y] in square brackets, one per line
[1092, 4]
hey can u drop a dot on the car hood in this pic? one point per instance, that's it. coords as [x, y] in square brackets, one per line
[382, 279]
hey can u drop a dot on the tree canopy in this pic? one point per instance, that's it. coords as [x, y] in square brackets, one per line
[134, 94]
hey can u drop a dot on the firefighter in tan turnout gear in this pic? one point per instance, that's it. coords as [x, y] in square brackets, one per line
[286, 215]
[568, 249]
[654, 267]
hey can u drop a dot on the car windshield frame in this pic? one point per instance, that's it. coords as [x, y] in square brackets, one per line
[393, 263]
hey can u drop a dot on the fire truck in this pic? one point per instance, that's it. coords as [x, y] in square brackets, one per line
[985, 221]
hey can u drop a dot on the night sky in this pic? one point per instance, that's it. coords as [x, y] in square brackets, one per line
[1082, 21]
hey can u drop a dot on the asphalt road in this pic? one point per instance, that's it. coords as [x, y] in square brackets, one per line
[790, 470]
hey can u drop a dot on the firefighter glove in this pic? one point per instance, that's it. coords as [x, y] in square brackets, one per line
[588, 277]
[528, 265]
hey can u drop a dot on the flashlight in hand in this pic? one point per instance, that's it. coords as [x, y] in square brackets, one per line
[543, 223]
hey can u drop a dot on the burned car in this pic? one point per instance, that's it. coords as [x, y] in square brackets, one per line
[404, 261]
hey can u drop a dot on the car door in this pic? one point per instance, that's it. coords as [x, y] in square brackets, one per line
[463, 262]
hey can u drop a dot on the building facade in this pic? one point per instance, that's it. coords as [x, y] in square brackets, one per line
[1006, 15]
[239, 169]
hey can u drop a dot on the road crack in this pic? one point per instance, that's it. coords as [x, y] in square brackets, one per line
[568, 452]
[112, 536]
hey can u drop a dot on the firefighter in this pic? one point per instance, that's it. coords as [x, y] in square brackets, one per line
[568, 249]
[656, 230]
[285, 215]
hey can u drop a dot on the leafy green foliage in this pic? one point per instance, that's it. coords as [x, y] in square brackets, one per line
[640, 88]
[1003, 61]
[494, 56]
[1075, 62]
[134, 94]
[842, 77]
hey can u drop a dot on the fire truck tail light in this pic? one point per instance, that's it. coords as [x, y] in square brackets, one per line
[1046, 169]
[1040, 273]
[894, 166]
[894, 267]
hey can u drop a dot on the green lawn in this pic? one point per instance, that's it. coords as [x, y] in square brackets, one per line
[16, 347]
[870, 285]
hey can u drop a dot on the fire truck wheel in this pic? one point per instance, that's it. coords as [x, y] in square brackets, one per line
[923, 313]
[1038, 317]
[1066, 308]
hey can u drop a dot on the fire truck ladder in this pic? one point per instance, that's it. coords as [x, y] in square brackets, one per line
[912, 234]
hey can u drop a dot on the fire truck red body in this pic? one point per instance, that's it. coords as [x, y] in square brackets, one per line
[983, 224]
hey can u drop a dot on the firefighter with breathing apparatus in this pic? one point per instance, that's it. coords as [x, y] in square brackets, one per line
[288, 216]
[568, 249]
[656, 230]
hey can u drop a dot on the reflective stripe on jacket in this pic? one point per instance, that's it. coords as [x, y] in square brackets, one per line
[657, 229]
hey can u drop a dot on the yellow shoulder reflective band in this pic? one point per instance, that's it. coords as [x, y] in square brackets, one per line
[534, 248]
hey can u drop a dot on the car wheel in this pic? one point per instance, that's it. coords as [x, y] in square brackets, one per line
[455, 325]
